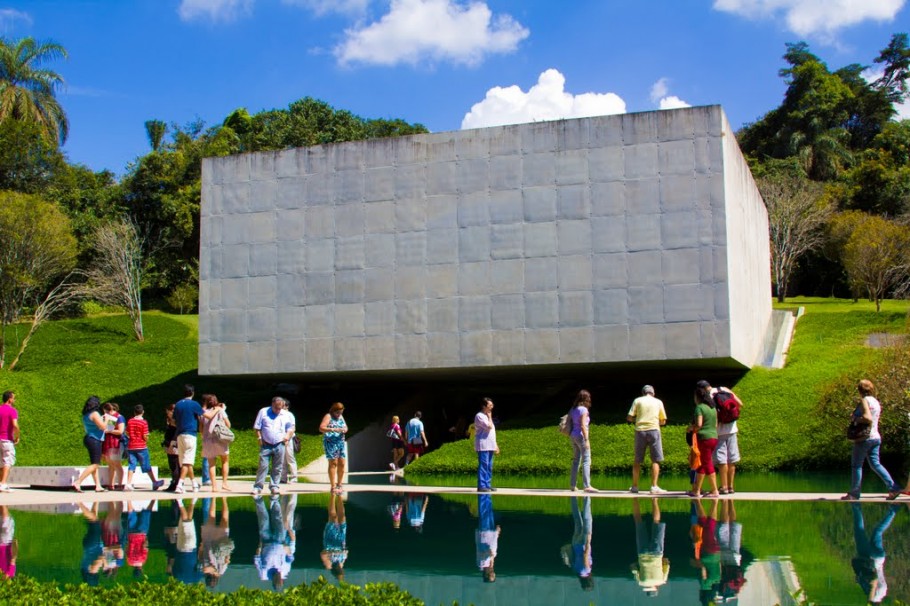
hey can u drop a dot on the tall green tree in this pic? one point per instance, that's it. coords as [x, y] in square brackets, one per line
[155, 131]
[36, 246]
[28, 89]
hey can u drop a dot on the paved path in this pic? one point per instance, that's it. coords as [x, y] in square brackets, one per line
[242, 488]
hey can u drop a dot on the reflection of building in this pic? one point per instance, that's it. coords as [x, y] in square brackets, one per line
[636, 237]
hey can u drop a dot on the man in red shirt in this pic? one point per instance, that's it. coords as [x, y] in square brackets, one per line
[9, 437]
[137, 429]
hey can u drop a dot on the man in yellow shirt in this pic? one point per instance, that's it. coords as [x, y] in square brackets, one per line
[648, 414]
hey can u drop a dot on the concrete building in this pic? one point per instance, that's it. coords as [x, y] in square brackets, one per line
[635, 237]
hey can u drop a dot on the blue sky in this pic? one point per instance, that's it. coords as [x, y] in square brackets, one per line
[448, 64]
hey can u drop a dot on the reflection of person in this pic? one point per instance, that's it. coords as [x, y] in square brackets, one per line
[417, 438]
[868, 411]
[137, 537]
[485, 445]
[274, 428]
[396, 439]
[112, 537]
[395, 509]
[581, 441]
[647, 413]
[9, 544]
[186, 556]
[216, 546]
[212, 447]
[94, 427]
[704, 423]
[92, 546]
[486, 538]
[652, 569]
[333, 429]
[9, 437]
[869, 563]
[273, 556]
[334, 538]
[577, 555]
[707, 551]
[417, 510]
[730, 538]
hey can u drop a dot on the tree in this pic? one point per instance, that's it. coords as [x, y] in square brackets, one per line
[874, 252]
[36, 246]
[155, 131]
[29, 162]
[28, 90]
[116, 276]
[797, 214]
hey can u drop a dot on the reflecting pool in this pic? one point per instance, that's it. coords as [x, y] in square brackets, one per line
[481, 549]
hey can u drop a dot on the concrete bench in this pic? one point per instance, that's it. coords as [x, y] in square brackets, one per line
[62, 476]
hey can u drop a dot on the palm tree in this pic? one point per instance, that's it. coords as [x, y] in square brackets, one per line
[27, 89]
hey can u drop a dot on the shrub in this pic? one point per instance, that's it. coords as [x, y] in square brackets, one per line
[91, 308]
[24, 590]
[184, 298]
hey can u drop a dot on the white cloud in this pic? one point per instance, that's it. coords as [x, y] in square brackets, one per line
[814, 17]
[10, 16]
[661, 97]
[323, 7]
[546, 100]
[414, 31]
[214, 10]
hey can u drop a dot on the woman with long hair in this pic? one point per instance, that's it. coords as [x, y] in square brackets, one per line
[94, 427]
[704, 424]
[868, 411]
[333, 428]
[396, 438]
[581, 441]
[212, 447]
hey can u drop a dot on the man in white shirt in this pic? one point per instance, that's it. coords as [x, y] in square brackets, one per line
[485, 445]
[648, 414]
[274, 427]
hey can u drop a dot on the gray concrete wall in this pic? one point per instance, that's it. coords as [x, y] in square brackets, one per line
[593, 240]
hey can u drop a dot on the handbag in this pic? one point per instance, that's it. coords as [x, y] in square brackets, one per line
[221, 431]
[295, 443]
[858, 432]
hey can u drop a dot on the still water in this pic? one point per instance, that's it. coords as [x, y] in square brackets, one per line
[482, 549]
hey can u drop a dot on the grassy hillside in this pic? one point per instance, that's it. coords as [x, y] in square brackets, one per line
[779, 422]
[69, 360]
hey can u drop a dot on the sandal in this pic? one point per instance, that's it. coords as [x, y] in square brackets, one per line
[76, 487]
[893, 495]
[693, 494]
[849, 497]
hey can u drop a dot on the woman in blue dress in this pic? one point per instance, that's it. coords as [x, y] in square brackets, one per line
[333, 429]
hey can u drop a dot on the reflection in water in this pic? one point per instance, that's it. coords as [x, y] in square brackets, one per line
[186, 555]
[217, 545]
[92, 547]
[706, 550]
[137, 535]
[417, 510]
[277, 541]
[112, 535]
[9, 545]
[652, 569]
[335, 538]
[577, 555]
[869, 563]
[395, 509]
[486, 538]
[730, 538]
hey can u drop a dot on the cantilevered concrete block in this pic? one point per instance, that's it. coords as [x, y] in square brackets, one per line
[639, 237]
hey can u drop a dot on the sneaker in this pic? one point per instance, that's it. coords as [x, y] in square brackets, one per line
[591, 489]
[209, 483]
[157, 484]
[196, 486]
[178, 489]
[257, 491]
[634, 490]
[392, 466]
[128, 488]
[275, 491]
[5, 488]
[658, 490]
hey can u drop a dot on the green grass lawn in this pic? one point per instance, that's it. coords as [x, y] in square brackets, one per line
[779, 424]
[69, 360]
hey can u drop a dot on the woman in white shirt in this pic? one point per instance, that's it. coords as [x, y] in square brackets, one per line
[869, 410]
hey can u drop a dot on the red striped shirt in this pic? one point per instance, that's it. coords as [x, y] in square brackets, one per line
[138, 430]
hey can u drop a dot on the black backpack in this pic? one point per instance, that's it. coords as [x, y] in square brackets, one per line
[727, 406]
